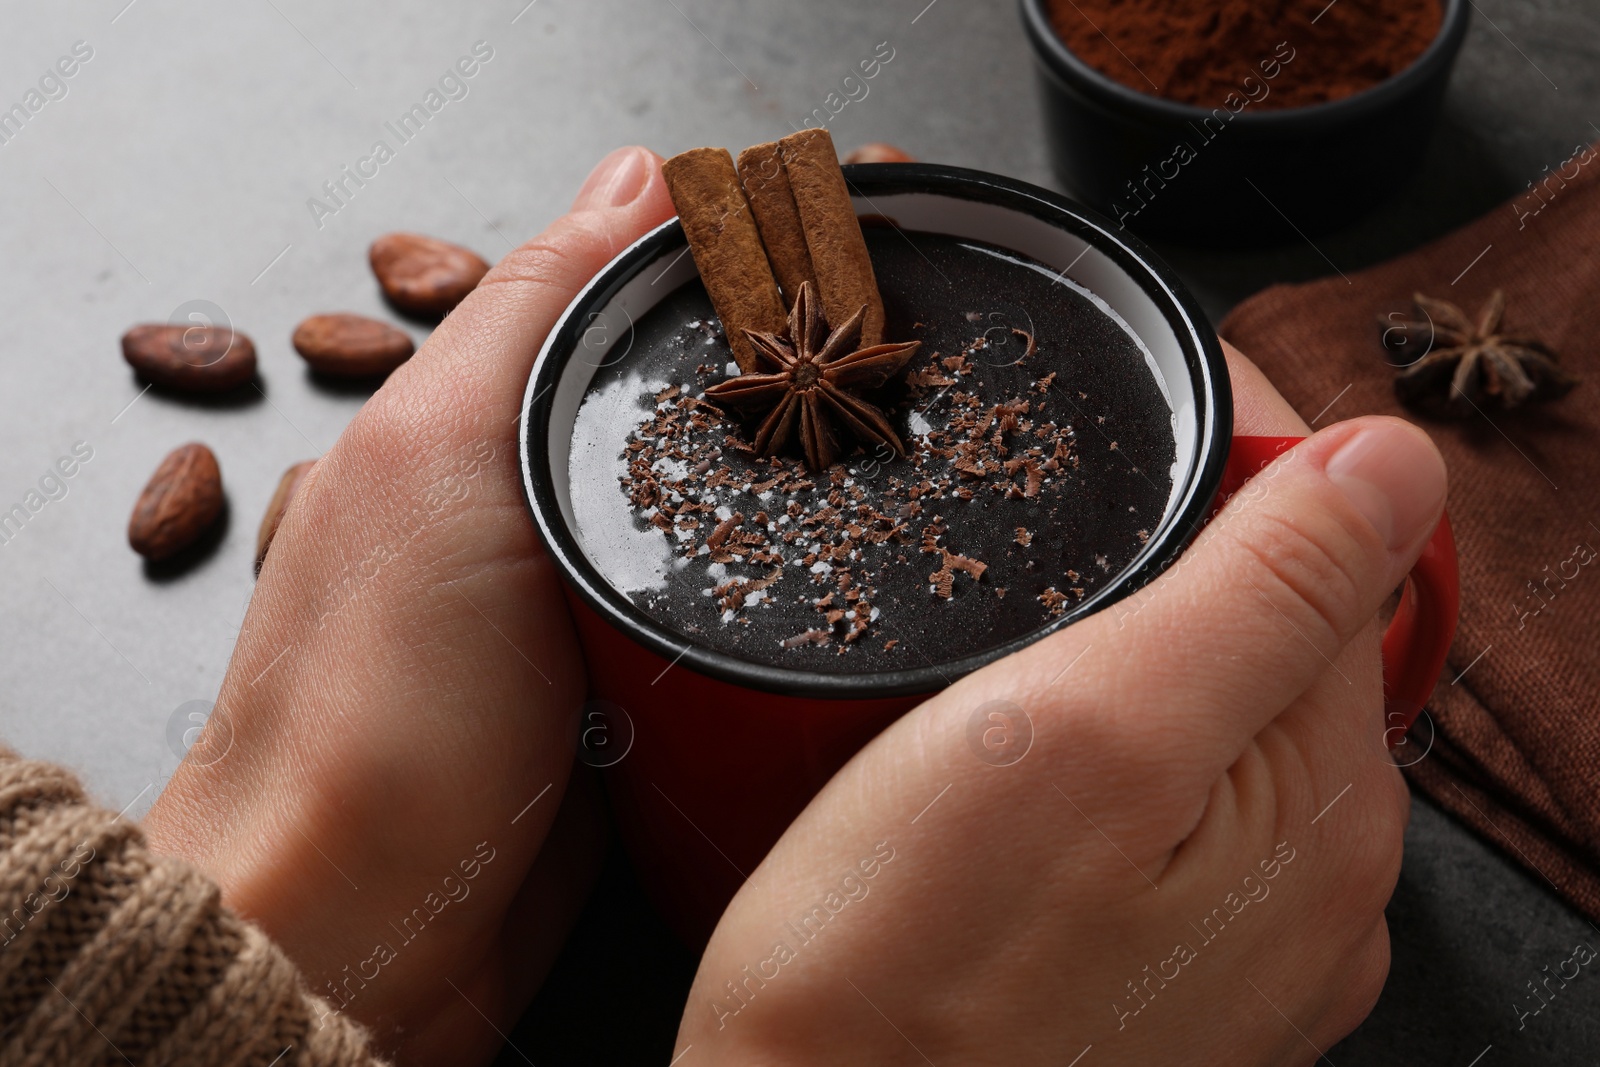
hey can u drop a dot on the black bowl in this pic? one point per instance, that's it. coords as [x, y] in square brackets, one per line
[1250, 177]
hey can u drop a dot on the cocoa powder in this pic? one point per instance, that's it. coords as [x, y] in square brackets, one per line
[1199, 51]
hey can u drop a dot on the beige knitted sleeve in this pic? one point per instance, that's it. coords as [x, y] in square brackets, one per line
[110, 954]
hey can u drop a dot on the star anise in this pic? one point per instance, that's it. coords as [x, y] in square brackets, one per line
[812, 382]
[1480, 364]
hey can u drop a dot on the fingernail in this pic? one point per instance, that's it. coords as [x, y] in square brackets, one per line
[1394, 477]
[616, 180]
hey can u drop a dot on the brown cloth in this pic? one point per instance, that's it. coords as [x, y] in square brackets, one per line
[111, 954]
[1515, 750]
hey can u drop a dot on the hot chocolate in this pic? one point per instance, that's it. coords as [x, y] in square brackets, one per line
[1038, 459]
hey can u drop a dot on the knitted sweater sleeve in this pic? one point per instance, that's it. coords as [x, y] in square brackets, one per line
[111, 954]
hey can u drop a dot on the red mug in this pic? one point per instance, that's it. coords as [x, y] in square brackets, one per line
[708, 758]
[710, 779]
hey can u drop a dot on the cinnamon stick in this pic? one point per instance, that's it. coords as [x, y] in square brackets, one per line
[766, 185]
[726, 246]
[833, 235]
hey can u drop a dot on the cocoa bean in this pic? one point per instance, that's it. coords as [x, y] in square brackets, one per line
[178, 505]
[350, 346]
[423, 275]
[193, 359]
[878, 152]
[288, 485]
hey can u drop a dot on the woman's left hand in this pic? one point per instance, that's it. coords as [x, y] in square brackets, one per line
[379, 785]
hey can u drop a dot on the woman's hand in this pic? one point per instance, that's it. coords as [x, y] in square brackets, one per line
[394, 735]
[1163, 835]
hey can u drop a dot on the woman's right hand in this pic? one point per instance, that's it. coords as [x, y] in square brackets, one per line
[1163, 835]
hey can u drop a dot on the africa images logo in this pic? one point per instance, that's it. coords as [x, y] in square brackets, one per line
[199, 731]
[453, 84]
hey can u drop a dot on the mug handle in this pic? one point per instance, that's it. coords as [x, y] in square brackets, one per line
[1419, 635]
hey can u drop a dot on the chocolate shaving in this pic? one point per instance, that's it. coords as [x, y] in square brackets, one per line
[731, 594]
[944, 578]
[1032, 346]
[719, 536]
[1054, 600]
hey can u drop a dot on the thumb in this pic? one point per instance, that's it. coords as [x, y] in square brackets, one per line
[1266, 600]
[618, 180]
[478, 358]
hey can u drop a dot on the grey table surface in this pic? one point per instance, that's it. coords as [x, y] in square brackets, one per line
[178, 167]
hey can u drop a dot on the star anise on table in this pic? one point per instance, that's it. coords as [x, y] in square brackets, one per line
[1468, 364]
[812, 383]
